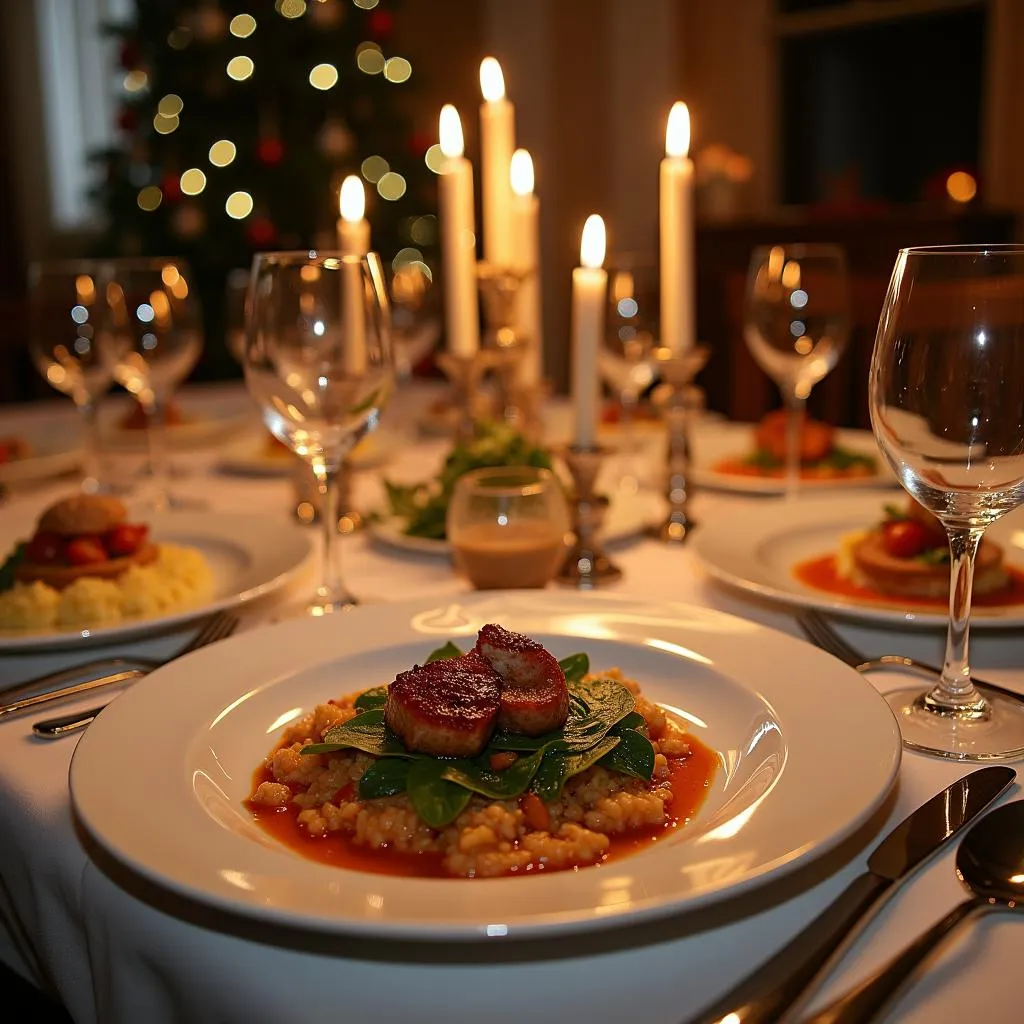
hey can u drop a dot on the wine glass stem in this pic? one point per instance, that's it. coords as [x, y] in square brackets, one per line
[794, 415]
[90, 445]
[156, 423]
[332, 592]
[955, 688]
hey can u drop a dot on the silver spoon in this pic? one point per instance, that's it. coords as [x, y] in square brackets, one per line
[990, 862]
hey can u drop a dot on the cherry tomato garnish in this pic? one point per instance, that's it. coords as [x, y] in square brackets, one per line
[44, 549]
[125, 539]
[905, 538]
[85, 550]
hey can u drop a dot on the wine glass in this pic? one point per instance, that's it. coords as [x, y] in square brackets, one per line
[415, 318]
[153, 342]
[236, 290]
[507, 526]
[318, 363]
[946, 394]
[68, 315]
[796, 325]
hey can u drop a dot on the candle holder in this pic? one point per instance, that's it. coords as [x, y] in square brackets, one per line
[465, 374]
[681, 398]
[587, 566]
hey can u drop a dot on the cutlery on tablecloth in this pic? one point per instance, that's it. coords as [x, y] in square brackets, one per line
[787, 980]
[818, 630]
[990, 862]
[217, 628]
[63, 725]
[210, 631]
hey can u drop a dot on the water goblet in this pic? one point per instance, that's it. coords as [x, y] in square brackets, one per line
[946, 395]
[68, 315]
[415, 318]
[154, 340]
[796, 325]
[318, 363]
[507, 526]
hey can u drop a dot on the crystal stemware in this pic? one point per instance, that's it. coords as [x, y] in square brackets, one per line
[154, 340]
[318, 363]
[415, 318]
[68, 314]
[946, 395]
[796, 325]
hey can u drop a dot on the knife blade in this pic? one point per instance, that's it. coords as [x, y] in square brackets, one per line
[775, 990]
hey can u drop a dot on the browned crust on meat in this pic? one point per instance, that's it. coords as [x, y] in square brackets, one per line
[61, 576]
[84, 513]
[910, 577]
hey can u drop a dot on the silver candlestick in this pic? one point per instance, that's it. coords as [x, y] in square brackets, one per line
[466, 374]
[681, 399]
[587, 566]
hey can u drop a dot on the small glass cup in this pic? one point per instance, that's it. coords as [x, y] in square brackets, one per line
[507, 527]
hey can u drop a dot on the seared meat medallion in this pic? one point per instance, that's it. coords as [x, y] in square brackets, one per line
[534, 694]
[447, 708]
[450, 708]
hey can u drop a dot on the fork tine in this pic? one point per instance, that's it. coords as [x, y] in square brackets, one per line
[821, 632]
[216, 627]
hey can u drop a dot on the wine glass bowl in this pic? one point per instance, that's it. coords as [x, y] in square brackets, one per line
[318, 363]
[68, 321]
[507, 526]
[946, 396]
[415, 317]
[796, 325]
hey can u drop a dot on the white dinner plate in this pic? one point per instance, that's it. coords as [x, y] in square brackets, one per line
[249, 556]
[628, 515]
[713, 442]
[796, 774]
[756, 549]
[211, 416]
[55, 450]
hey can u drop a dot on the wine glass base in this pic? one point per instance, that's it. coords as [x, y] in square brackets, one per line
[317, 609]
[996, 736]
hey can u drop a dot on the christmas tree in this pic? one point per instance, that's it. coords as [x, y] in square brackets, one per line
[239, 121]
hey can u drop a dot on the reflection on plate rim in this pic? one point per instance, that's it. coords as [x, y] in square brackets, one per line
[752, 526]
[496, 909]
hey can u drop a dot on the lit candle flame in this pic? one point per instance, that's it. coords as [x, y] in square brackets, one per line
[677, 134]
[520, 172]
[352, 199]
[450, 132]
[492, 81]
[592, 243]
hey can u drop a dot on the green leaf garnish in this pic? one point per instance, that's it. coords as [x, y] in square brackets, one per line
[559, 765]
[444, 653]
[366, 732]
[933, 556]
[634, 755]
[386, 777]
[436, 800]
[575, 667]
[371, 700]
[479, 777]
[9, 569]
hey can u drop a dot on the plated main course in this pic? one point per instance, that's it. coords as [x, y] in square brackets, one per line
[497, 761]
[86, 564]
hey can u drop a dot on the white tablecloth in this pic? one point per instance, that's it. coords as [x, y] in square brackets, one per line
[116, 955]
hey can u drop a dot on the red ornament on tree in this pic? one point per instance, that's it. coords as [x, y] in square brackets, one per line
[419, 143]
[380, 24]
[129, 55]
[170, 185]
[270, 150]
[127, 119]
[261, 232]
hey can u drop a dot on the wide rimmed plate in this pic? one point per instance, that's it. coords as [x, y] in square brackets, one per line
[627, 516]
[55, 449]
[249, 556]
[756, 549]
[713, 442]
[789, 786]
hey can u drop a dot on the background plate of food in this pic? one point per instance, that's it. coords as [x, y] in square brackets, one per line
[873, 556]
[342, 841]
[264, 456]
[85, 570]
[198, 416]
[750, 458]
[39, 451]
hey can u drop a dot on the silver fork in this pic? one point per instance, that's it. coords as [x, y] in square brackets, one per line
[820, 632]
[217, 627]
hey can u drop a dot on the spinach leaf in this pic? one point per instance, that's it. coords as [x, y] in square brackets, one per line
[385, 777]
[370, 700]
[634, 720]
[575, 667]
[633, 755]
[436, 800]
[895, 512]
[607, 702]
[443, 653]
[477, 775]
[559, 765]
[10, 566]
[934, 556]
[366, 732]
[843, 458]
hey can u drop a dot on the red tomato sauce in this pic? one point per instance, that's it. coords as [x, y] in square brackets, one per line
[691, 777]
[821, 574]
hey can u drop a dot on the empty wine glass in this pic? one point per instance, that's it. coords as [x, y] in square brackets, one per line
[946, 395]
[796, 325]
[236, 289]
[318, 363]
[68, 313]
[415, 316]
[154, 341]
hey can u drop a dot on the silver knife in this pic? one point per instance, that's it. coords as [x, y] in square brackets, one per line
[775, 991]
